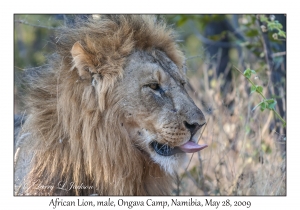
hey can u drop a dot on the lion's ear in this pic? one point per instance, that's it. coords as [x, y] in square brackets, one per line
[83, 61]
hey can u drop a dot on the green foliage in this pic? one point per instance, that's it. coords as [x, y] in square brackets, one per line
[273, 25]
[263, 106]
[265, 103]
[271, 103]
[263, 18]
[253, 89]
[248, 72]
[259, 89]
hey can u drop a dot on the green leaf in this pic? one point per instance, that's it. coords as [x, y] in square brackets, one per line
[253, 89]
[259, 89]
[263, 106]
[282, 34]
[271, 104]
[263, 18]
[257, 106]
[247, 73]
[278, 25]
[253, 71]
[270, 100]
[271, 26]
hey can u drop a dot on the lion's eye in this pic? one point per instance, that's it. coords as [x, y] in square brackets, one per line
[154, 86]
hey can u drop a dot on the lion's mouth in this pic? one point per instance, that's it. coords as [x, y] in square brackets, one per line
[165, 150]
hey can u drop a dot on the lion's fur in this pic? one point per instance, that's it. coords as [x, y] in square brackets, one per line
[74, 127]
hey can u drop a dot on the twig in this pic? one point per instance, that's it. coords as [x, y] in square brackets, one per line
[19, 68]
[268, 54]
[201, 176]
[193, 180]
[278, 54]
[267, 47]
[196, 56]
[193, 153]
[177, 185]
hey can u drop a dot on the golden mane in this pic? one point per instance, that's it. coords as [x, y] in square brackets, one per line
[75, 129]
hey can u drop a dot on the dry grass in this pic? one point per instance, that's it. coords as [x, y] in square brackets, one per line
[244, 157]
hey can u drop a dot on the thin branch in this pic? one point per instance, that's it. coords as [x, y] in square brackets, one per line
[19, 68]
[177, 185]
[278, 54]
[268, 54]
[193, 153]
[267, 47]
[201, 176]
[278, 115]
[193, 180]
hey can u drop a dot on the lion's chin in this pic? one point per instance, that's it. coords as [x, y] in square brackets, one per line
[170, 158]
[169, 163]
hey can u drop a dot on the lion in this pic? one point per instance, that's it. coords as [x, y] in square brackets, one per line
[109, 113]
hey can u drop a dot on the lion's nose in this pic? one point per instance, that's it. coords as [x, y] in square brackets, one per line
[194, 127]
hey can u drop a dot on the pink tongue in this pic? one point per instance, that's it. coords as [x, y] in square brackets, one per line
[191, 147]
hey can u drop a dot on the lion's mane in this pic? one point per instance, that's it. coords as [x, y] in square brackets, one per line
[75, 130]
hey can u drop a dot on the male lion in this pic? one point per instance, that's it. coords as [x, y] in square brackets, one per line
[109, 113]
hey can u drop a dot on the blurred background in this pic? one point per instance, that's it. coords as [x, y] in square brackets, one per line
[247, 146]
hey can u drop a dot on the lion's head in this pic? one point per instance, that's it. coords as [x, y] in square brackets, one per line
[111, 110]
[159, 116]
